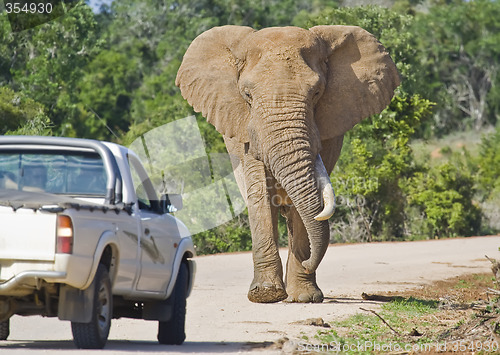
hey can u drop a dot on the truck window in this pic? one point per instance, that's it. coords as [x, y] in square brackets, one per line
[58, 172]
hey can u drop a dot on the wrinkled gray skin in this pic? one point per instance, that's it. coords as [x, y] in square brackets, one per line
[281, 97]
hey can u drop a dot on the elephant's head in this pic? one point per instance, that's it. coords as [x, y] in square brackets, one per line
[281, 91]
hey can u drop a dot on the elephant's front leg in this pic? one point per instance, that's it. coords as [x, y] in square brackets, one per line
[300, 286]
[267, 285]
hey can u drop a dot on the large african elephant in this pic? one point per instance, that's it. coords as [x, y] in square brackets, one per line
[283, 98]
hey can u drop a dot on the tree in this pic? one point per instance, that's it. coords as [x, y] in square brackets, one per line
[21, 115]
[7, 54]
[488, 174]
[106, 90]
[458, 48]
[47, 61]
[488, 180]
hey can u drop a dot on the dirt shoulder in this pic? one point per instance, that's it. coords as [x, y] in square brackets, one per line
[221, 319]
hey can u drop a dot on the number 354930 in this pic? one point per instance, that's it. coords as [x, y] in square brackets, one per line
[28, 8]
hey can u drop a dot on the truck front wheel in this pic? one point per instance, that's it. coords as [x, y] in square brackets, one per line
[93, 335]
[172, 332]
[4, 329]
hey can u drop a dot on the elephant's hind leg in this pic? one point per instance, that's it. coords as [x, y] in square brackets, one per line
[300, 286]
[267, 285]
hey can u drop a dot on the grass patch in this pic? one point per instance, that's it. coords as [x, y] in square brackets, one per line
[458, 317]
[366, 332]
[412, 307]
[474, 281]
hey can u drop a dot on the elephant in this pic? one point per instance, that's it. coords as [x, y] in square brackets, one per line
[283, 98]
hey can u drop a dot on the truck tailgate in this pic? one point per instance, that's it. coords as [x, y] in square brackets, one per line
[27, 235]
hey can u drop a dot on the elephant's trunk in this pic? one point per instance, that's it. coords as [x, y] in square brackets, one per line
[303, 176]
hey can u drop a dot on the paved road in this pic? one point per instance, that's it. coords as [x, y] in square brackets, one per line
[221, 319]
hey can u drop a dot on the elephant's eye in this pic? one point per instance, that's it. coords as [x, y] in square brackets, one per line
[318, 91]
[248, 95]
[317, 95]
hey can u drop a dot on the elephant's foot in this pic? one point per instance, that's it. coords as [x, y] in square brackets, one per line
[302, 287]
[267, 292]
[310, 294]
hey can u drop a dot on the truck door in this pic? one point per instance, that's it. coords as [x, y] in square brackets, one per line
[159, 234]
[158, 246]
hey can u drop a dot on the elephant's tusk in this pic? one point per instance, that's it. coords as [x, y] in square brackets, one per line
[326, 191]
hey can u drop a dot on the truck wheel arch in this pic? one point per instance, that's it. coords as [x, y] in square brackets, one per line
[106, 252]
[109, 258]
[185, 252]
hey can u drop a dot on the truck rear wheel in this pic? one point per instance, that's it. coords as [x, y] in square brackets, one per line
[93, 335]
[4, 329]
[172, 332]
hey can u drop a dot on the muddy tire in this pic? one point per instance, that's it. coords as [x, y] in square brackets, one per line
[94, 334]
[4, 329]
[172, 332]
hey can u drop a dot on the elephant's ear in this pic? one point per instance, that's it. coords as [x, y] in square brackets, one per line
[361, 79]
[208, 79]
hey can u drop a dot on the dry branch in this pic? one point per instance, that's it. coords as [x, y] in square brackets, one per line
[493, 292]
[382, 319]
[380, 298]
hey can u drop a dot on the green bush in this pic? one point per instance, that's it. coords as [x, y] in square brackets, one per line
[230, 237]
[444, 197]
[488, 176]
[22, 115]
[376, 157]
[384, 194]
[488, 181]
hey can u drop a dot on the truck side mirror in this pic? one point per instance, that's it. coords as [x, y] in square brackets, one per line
[171, 202]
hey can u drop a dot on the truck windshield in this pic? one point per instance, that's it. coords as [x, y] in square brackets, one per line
[58, 172]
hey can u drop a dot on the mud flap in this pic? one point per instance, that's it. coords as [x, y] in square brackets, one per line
[76, 305]
[161, 310]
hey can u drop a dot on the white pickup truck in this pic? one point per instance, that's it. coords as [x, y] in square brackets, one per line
[84, 237]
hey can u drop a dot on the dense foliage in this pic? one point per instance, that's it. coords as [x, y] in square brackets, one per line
[110, 74]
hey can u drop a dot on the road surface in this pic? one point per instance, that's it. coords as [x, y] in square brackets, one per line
[220, 319]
